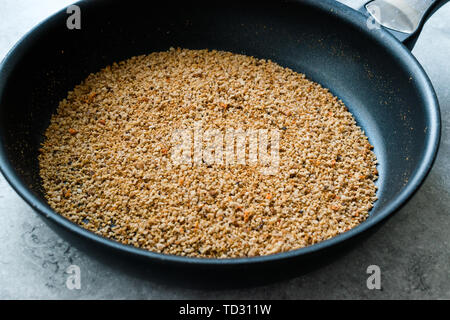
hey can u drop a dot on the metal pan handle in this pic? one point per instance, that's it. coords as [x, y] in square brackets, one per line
[403, 18]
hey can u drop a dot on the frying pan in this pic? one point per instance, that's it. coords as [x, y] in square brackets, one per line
[367, 67]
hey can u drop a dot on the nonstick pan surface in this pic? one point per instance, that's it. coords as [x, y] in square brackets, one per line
[376, 76]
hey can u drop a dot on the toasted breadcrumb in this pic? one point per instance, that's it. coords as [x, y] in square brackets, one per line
[106, 164]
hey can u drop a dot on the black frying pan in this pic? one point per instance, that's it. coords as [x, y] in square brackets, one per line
[375, 75]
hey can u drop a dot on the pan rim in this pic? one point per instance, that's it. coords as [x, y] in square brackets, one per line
[356, 19]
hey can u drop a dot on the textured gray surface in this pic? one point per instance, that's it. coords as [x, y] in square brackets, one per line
[412, 249]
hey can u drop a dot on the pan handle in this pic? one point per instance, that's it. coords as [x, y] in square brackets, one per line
[403, 18]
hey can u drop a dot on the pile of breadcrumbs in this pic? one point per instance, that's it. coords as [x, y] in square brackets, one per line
[106, 160]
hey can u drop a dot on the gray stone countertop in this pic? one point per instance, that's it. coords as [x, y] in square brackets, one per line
[412, 248]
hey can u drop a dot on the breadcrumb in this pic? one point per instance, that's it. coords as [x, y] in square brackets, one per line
[123, 185]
